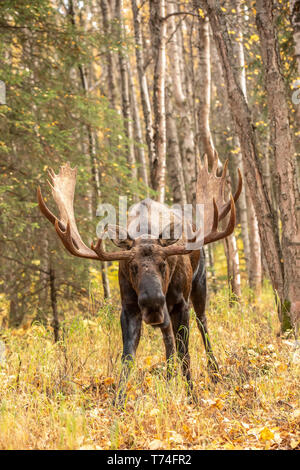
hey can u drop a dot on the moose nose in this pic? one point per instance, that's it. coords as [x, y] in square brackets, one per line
[153, 302]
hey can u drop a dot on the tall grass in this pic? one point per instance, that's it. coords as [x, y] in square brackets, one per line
[59, 396]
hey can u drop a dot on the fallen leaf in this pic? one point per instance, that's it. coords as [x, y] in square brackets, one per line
[266, 434]
[295, 443]
[156, 444]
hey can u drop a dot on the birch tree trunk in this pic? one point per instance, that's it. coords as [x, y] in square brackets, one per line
[255, 267]
[175, 56]
[204, 93]
[145, 97]
[126, 111]
[90, 151]
[233, 268]
[249, 225]
[158, 33]
[284, 153]
[174, 164]
[112, 87]
[181, 105]
[138, 135]
[242, 117]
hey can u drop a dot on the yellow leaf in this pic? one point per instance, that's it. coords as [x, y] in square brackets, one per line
[266, 434]
[282, 367]
[201, 13]
[295, 443]
[148, 360]
[108, 381]
[148, 380]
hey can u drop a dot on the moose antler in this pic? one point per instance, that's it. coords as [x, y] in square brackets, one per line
[210, 193]
[210, 186]
[63, 190]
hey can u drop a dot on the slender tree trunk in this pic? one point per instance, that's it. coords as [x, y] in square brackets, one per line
[145, 98]
[255, 274]
[44, 276]
[204, 93]
[233, 261]
[53, 295]
[123, 59]
[249, 225]
[91, 153]
[211, 267]
[181, 105]
[230, 244]
[233, 267]
[140, 151]
[242, 117]
[175, 57]
[112, 87]
[284, 152]
[158, 33]
[174, 163]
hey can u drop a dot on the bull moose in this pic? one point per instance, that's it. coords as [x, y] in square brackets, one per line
[157, 276]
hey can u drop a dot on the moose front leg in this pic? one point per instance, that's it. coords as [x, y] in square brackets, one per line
[198, 297]
[131, 322]
[169, 342]
[180, 322]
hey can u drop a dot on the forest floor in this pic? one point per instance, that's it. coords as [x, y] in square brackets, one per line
[59, 396]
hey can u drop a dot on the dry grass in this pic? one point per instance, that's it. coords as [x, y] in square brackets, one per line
[60, 396]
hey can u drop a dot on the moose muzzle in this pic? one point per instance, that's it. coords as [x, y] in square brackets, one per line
[151, 301]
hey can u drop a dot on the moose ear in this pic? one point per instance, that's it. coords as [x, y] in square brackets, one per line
[120, 237]
[167, 241]
[170, 234]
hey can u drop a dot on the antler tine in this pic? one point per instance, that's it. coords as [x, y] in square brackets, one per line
[69, 243]
[205, 162]
[44, 209]
[226, 208]
[105, 256]
[214, 235]
[199, 163]
[215, 162]
[223, 179]
[216, 217]
[51, 173]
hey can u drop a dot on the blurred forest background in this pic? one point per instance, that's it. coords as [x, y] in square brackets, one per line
[133, 92]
